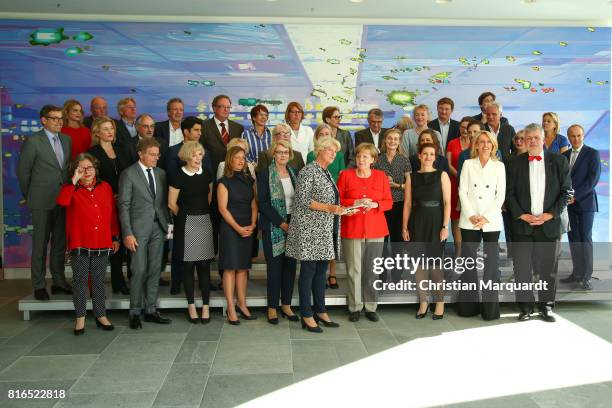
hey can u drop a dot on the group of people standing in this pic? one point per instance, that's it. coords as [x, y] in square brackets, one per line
[115, 186]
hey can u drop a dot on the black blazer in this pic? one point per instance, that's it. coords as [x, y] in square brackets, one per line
[503, 120]
[122, 134]
[365, 136]
[212, 142]
[107, 170]
[453, 129]
[556, 193]
[268, 215]
[441, 163]
[88, 121]
[174, 163]
[585, 176]
[504, 140]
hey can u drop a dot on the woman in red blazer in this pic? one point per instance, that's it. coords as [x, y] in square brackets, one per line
[92, 234]
[370, 190]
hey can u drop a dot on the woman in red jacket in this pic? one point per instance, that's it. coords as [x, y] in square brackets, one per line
[92, 235]
[370, 190]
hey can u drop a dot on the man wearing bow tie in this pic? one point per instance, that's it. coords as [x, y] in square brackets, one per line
[537, 189]
[585, 168]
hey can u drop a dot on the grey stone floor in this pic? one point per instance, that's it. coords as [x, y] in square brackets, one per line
[218, 365]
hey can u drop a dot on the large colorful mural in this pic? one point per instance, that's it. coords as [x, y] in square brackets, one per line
[356, 67]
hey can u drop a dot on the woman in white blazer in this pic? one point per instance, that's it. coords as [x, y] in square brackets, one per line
[482, 190]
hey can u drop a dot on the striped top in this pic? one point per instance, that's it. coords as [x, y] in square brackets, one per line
[256, 144]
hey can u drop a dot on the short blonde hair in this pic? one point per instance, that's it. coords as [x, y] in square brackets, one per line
[555, 119]
[283, 143]
[422, 107]
[188, 149]
[367, 147]
[240, 142]
[95, 129]
[493, 140]
[400, 148]
[404, 123]
[123, 102]
[325, 143]
[281, 126]
[320, 128]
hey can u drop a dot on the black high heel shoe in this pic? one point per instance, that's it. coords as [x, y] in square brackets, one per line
[422, 315]
[107, 327]
[435, 316]
[326, 323]
[315, 329]
[193, 320]
[292, 318]
[78, 332]
[244, 315]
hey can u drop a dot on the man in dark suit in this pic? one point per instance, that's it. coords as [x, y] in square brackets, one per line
[483, 100]
[145, 129]
[126, 124]
[537, 189]
[503, 131]
[169, 132]
[448, 128]
[218, 130]
[98, 108]
[585, 169]
[144, 216]
[375, 133]
[41, 170]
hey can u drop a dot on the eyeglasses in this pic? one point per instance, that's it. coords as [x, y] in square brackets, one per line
[88, 168]
[55, 118]
[337, 117]
[153, 154]
[228, 107]
[283, 134]
[295, 112]
[282, 152]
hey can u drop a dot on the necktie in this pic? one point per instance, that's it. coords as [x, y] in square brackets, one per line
[59, 152]
[573, 157]
[224, 134]
[537, 158]
[151, 183]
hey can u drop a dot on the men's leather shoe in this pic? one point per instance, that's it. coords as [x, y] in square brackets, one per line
[41, 294]
[354, 316]
[124, 290]
[371, 316]
[135, 322]
[587, 285]
[65, 290]
[163, 282]
[156, 318]
[545, 313]
[174, 290]
[524, 316]
[570, 279]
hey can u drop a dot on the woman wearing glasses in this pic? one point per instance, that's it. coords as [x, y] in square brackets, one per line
[281, 132]
[92, 234]
[302, 138]
[331, 116]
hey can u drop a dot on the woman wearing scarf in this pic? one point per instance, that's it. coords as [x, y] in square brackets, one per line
[92, 234]
[275, 190]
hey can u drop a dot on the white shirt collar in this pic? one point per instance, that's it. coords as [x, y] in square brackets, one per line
[143, 167]
[218, 122]
[578, 149]
[189, 173]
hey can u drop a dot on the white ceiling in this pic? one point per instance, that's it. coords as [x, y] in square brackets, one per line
[464, 12]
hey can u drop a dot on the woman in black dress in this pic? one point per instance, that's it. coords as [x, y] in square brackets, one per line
[427, 205]
[238, 209]
[112, 161]
[189, 199]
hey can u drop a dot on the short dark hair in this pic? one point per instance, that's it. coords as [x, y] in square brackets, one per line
[467, 119]
[446, 101]
[145, 143]
[484, 95]
[426, 145]
[173, 100]
[189, 122]
[328, 112]
[376, 112]
[218, 97]
[80, 157]
[475, 122]
[258, 108]
[434, 137]
[45, 110]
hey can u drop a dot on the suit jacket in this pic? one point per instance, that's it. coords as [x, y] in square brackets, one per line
[88, 121]
[347, 146]
[479, 118]
[137, 206]
[122, 134]
[453, 129]
[365, 136]
[585, 176]
[504, 139]
[174, 163]
[130, 149]
[265, 159]
[162, 133]
[556, 193]
[38, 171]
[212, 142]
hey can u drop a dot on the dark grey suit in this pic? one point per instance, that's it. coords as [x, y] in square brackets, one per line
[40, 178]
[145, 217]
[365, 136]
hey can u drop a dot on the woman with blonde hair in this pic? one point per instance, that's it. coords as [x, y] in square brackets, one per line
[410, 138]
[73, 127]
[554, 141]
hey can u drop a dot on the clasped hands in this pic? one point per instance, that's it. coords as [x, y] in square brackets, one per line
[478, 221]
[536, 220]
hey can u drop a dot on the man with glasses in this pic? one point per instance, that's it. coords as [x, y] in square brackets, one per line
[42, 169]
[125, 125]
[98, 108]
[218, 130]
[375, 132]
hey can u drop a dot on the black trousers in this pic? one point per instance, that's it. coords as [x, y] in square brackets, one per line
[116, 264]
[203, 270]
[281, 274]
[580, 237]
[542, 253]
[468, 301]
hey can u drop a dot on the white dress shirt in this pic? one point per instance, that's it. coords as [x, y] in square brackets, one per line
[144, 170]
[537, 185]
[444, 128]
[218, 123]
[482, 191]
[176, 135]
[375, 137]
[303, 140]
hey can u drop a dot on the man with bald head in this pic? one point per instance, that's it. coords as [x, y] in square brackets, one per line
[98, 108]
